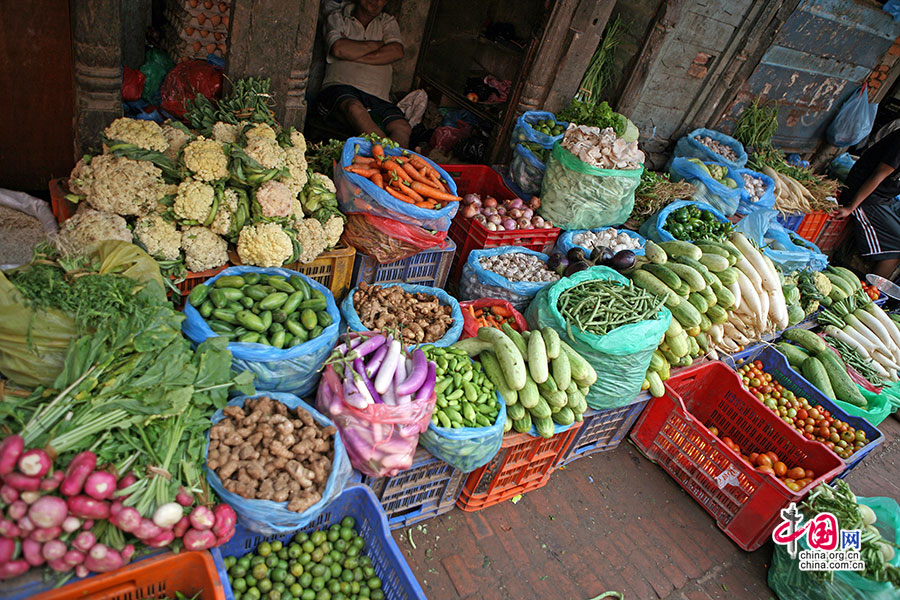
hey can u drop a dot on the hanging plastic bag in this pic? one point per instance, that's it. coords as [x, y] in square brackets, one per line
[478, 282]
[566, 240]
[878, 406]
[654, 228]
[524, 130]
[380, 439]
[132, 84]
[387, 240]
[157, 65]
[348, 310]
[748, 202]
[267, 517]
[789, 582]
[526, 170]
[840, 166]
[185, 81]
[293, 370]
[707, 189]
[471, 326]
[690, 147]
[356, 194]
[446, 136]
[620, 358]
[761, 226]
[854, 121]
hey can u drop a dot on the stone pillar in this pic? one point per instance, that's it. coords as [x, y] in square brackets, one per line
[97, 55]
[272, 38]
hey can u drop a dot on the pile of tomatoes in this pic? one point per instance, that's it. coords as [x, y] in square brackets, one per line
[870, 291]
[795, 479]
[813, 422]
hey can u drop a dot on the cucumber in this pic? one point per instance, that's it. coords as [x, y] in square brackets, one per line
[712, 248]
[837, 294]
[724, 297]
[679, 248]
[562, 371]
[698, 302]
[523, 425]
[814, 371]
[657, 390]
[708, 276]
[717, 315]
[576, 402]
[795, 355]
[556, 399]
[695, 346]
[494, 373]
[544, 427]
[684, 290]
[582, 372]
[515, 412]
[810, 341]
[565, 416]
[529, 395]
[654, 253]
[548, 386]
[657, 360]
[510, 358]
[841, 384]
[651, 283]
[840, 282]
[551, 340]
[705, 323]
[537, 357]
[848, 276]
[702, 342]
[516, 338]
[473, 346]
[686, 314]
[728, 276]
[664, 274]
[541, 410]
[714, 262]
[678, 344]
[709, 294]
[690, 276]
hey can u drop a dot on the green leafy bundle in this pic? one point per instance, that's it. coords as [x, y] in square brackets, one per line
[593, 115]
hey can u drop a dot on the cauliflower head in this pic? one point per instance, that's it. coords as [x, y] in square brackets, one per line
[160, 237]
[206, 159]
[260, 130]
[334, 227]
[324, 181]
[313, 238]
[264, 245]
[823, 284]
[143, 134]
[119, 185]
[176, 138]
[266, 152]
[296, 212]
[81, 177]
[89, 226]
[296, 179]
[275, 199]
[203, 249]
[221, 223]
[298, 141]
[226, 132]
[194, 200]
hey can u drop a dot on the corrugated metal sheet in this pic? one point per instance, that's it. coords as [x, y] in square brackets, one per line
[819, 57]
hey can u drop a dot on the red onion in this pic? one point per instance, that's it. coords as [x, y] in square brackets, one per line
[469, 198]
[489, 211]
[514, 213]
[509, 223]
[534, 203]
[515, 203]
[489, 202]
[469, 211]
[501, 210]
[495, 219]
[480, 218]
[523, 223]
[527, 213]
[477, 203]
[490, 227]
[538, 222]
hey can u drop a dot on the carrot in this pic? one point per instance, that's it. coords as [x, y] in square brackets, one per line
[430, 192]
[377, 151]
[501, 311]
[472, 312]
[420, 163]
[392, 167]
[405, 189]
[378, 180]
[363, 160]
[397, 194]
[360, 170]
[415, 175]
[429, 204]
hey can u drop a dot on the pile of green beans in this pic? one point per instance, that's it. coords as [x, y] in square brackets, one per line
[853, 358]
[599, 306]
[465, 396]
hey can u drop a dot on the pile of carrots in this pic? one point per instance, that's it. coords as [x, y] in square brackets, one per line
[406, 177]
[492, 316]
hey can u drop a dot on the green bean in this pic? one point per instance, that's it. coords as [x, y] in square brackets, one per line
[598, 306]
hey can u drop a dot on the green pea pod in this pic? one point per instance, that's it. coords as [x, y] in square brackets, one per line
[279, 316]
[252, 278]
[293, 301]
[280, 283]
[296, 328]
[206, 308]
[308, 318]
[256, 292]
[250, 321]
[266, 317]
[300, 285]
[232, 294]
[218, 298]
[273, 301]
[224, 315]
[198, 295]
[277, 339]
[250, 337]
[230, 281]
[316, 332]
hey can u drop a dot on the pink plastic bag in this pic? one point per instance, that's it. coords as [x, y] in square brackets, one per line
[381, 439]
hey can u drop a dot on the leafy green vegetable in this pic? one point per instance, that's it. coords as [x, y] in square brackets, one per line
[593, 115]
[322, 156]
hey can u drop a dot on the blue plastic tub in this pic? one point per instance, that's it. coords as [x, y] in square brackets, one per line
[397, 580]
[604, 430]
[790, 222]
[777, 365]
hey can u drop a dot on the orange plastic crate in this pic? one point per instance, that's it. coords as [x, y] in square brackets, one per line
[185, 572]
[812, 225]
[833, 233]
[62, 208]
[524, 463]
[333, 269]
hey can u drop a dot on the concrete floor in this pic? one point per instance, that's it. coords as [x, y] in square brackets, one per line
[611, 521]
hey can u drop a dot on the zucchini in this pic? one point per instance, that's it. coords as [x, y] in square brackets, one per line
[537, 357]
[654, 253]
[698, 302]
[810, 341]
[510, 358]
[795, 355]
[651, 283]
[664, 274]
[814, 372]
[689, 275]
[728, 276]
[686, 314]
[562, 371]
[529, 395]
[677, 248]
[843, 387]
[582, 372]
[551, 340]
[714, 262]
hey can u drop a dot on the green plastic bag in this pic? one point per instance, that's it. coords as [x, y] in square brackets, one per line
[33, 343]
[878, 406]
[790, 583]
[621, 357]
[157, 65]
[576, 195]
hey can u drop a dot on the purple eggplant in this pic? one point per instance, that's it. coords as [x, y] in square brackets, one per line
[352, 395]
[375, 360]
[370, 345]
[399, 377]
[427, 388]
[360, 375]
[385, 376]
[416, 376]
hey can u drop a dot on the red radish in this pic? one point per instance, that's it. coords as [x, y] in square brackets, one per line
[88, 524]
[81, 571]
[168, 514]
[147, 529]
[34, 462]
[128, 519]
[88, 508]
[74, 557]
[8, 494]
[8, 529]
[13, 568]
[221, 539]
[7, 549]
[181, 526]
[71, 524]
[161, 540]
[51, 483]
[100, 485]
[29, 497]
[26, 525]
[116, 507]
[10, 450]
[48, 511]
[31, 550]
[53, 550]
[23, 483]
[225, 520]
[17, 510]
[84, 541]
[202, 518]
[45, 534]
[103, 559]
[194, 539]
[183, 498]
[127, 480]
[60, 565]
[127, 552]
[77, 473]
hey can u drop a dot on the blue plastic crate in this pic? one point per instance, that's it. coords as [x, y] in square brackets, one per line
[427, 489]
[604, 430]
[429, 267]
[775, 363]
[397, 580]
[790, 222]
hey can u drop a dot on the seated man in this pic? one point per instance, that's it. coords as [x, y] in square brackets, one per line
[361, 43]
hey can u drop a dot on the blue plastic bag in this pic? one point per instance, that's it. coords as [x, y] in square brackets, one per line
[654, 227]
[762, 227]
[524, 132]
[477, 282]
[708, 190]
[266, 516]
[450, 336]
[892, 7]
[854, 121]
[356, 194]
[466, 448]
[526, 170]
[566, 240]
[293, 370]
[689, 147]
[841, 165]
[748, 204]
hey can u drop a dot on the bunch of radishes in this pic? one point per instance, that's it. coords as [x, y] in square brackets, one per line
[49, 515]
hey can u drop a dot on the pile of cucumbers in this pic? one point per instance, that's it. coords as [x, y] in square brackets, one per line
[255, 308]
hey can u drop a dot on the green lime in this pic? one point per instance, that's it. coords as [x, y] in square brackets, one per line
[264, 549]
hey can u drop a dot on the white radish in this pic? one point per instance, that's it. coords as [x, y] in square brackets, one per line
[754, 256]
[778, 308]
[763, 316]
[735, 290]
[848, 339]
[875, 326]
[886, 321]
[749, 297]
[864, 331]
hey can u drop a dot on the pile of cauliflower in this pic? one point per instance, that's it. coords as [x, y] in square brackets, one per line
[188, 199]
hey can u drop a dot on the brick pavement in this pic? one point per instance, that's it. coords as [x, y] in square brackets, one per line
[611, 521]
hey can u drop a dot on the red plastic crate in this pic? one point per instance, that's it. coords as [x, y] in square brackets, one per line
[192, 279]
[604, 430]
[62, 208]
[745, 502]
[811, 225]
[478, 179]
[524, 463]
[833, 233]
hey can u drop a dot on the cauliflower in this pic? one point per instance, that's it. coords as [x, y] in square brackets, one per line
[118, 185]
[298, 141]
[312, 236]
[143, 134]
[221, 223]
[324, 181]
[203, 249]
[89, 226]
[206, 159]
[296, 212]
[334, 227]
[160, 238]
[260, 131]
[266, 152]
[175, 139]
[194, 200]
[274, 199]
[823, 284]
[226, 132]
[264, 245]
[295, 161]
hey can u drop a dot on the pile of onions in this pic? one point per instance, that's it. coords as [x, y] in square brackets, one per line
[503, 215]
